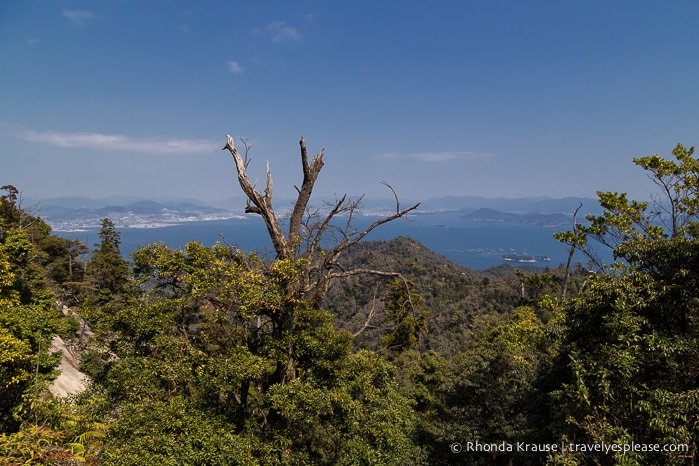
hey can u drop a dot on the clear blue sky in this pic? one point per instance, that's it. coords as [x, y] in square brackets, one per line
[488, 98]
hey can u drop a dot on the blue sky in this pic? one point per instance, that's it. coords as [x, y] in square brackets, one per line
[439, 98]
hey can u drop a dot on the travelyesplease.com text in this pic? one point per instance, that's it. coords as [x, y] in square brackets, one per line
[607, 448]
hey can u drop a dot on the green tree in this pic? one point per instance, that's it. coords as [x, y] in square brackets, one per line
[25, 261]
[492, 394]
[315, 238]
[203, 343]
[671, 213]
[16, 370]
[9, 296]
[28, 321]
[108, 272]
[226, 358]
[405, 315]
[630, 343]
[64, 265]
[35, 429]
[10, 214]
[631, 348]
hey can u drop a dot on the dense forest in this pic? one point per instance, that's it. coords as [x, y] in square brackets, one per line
[344, 351]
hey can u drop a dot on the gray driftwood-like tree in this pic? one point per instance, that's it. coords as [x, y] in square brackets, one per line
[315, 239]
[319, 236]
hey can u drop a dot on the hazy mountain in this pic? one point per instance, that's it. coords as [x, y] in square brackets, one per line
[468, 204]
[141, 213]
[80, 212]
[531, 218]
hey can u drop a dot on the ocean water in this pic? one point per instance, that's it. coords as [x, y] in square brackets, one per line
[476, 245]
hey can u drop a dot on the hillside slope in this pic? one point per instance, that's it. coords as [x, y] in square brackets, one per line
[454, 295]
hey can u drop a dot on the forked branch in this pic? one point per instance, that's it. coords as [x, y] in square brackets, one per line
[257, 203]
[305, 235]
[310, 175]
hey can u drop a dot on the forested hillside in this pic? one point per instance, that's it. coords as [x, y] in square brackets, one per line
[353, 352]
[454, 296]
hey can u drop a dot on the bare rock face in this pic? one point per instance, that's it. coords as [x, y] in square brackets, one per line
[71, 381]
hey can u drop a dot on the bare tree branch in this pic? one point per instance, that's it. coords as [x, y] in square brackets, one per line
[369, 317]
[248, 148]
[310, 174]
[258, 203]
[394, 194]
[573, 246]
[307, 232]
[349, 273]
[323, 226]
[378, 222]
[307, 229]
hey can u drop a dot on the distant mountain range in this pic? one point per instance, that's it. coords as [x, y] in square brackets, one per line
[467, 204]
[76, 213]
[139, 214]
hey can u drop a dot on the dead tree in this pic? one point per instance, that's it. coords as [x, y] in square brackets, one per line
[307, 239]
[571, 252]
[309, 229]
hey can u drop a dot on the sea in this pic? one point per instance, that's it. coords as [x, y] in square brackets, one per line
[474, 244]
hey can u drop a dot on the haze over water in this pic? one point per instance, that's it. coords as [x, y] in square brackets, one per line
[476, 245]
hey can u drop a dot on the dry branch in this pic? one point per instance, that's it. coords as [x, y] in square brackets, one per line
[369, 317]
[322, 266]
[258, 203]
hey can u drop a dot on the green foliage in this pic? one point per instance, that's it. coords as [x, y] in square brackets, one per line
[632, 343]
[37, 261]
[28, 320]
[108, 274]
[405, 315]
[491, 394]
[174, 431]
[671, 214]
[9, 296]
[212, 356]
[32, 268]
[39, 445]
[16, 364]
[357, 417]
[454, 295]
[10, 214]
[673, 417]
[26, 333]
[64, 266]
[536, 286]
[61, 433]
[678, 181]
[25, 266]
[220, 362]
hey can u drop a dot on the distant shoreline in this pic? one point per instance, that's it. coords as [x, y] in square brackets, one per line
[472, 244]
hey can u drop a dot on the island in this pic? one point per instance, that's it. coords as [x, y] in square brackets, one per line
[523, 258]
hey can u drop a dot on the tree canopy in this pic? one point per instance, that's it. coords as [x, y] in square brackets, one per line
[323, 355]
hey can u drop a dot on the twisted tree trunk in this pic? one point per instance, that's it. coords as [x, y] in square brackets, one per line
[307, 230]
[304, 240]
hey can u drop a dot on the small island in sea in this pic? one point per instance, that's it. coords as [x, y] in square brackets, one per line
[523, 258]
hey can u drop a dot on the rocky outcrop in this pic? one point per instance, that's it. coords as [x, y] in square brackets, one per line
[71, 381]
